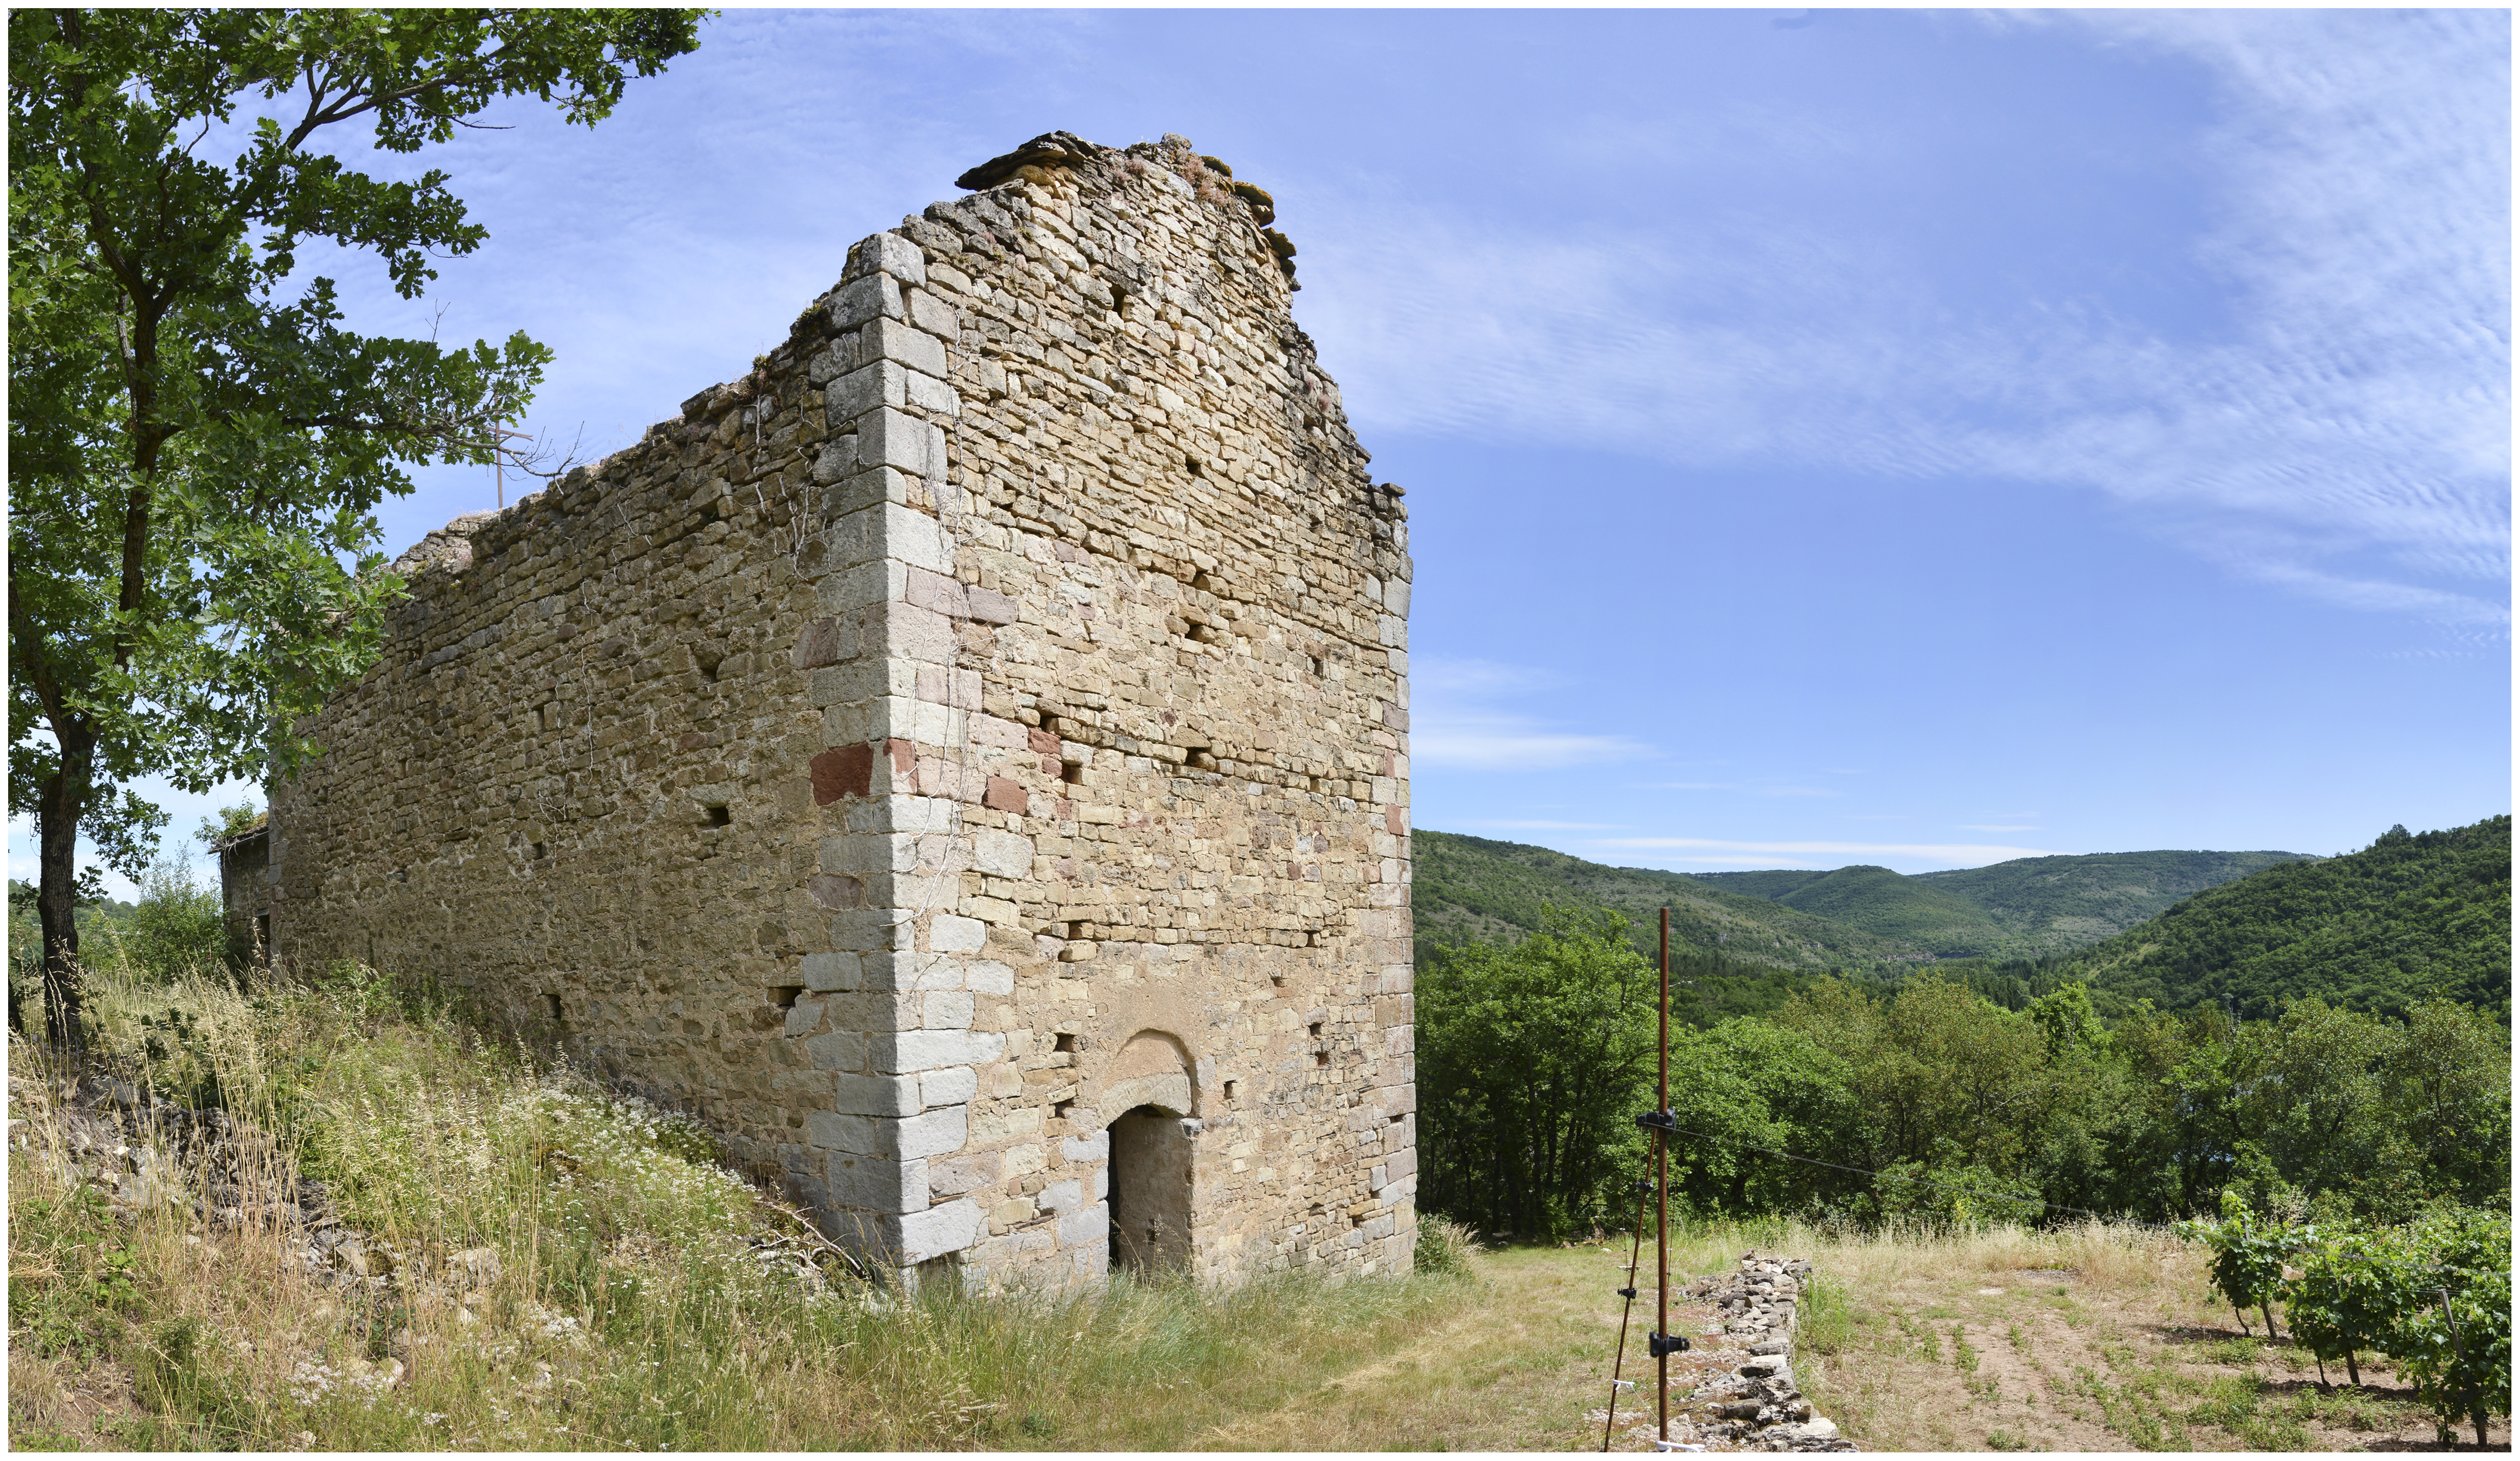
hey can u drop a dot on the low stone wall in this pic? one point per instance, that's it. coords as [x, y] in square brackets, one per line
[1758, 1404]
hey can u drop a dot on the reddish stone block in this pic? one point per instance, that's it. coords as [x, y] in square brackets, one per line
[834, 891]
[1005, 795]
[1041, 742]
[905, 755]
[843, 772]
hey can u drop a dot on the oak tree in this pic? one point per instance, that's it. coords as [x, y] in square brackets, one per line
[197, 440]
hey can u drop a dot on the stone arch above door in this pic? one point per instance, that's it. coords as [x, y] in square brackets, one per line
[1152, 1068]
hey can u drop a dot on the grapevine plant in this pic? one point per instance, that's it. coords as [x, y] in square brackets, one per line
[2435, 1295]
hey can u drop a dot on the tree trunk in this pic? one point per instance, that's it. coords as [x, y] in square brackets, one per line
[2351, 1373]
[56, 819]
[2270, 1315]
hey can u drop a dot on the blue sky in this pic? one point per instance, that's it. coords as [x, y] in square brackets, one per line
[1831, 436]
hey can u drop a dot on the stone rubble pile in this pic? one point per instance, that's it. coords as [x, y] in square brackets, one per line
[1751, 1401]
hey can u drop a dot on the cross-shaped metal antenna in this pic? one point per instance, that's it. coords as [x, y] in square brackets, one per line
[499, 460]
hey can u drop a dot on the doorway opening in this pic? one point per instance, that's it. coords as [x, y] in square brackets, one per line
[1150, 1190]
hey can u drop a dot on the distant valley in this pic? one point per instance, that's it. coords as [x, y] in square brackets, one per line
[2034, 907]
[2411, 914]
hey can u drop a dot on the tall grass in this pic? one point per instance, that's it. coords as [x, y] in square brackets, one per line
[635, 1293]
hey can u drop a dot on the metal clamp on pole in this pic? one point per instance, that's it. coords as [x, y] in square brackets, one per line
[1659, 1120]
[1660, 1345]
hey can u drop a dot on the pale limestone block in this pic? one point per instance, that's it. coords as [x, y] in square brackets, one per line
[953, 934]
[913, 1050]
[933, 590]
[1063, 1197]
[847, 684]
[1004, 854]
[933, 315]
[891, 254]
[934, 1133]
[992, 606]
[888, 437]
[946, 1009]
[860, 301]
[989, 976]
[949, 1227]
[930, 724]
[861, 930]
[910, 632]
[912, 816]
[1089, 1224]
[868, 488]
[877, 384]
[836, 1050]
[1004, 735]
[804, 1017]
[879, 1184]
[877, 1095]
[896, 340]
[1094, 1148]
[934, 396]
[954, 1176]
[952, 1086]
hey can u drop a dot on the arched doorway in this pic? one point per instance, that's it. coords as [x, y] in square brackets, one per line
[1150, 1185]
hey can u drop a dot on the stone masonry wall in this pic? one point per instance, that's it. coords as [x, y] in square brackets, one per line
[986, 718]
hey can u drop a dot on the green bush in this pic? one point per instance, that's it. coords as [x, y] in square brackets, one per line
[177, 927]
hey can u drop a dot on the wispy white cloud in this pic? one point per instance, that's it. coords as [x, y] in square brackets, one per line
[1728, 786]
[1956, 853]
[1542, 826]
[1979, 827]
[1456, 719]
[2346, 439]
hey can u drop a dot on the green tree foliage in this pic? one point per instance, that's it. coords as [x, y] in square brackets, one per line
[196, 442]
[1533, 1061]
[178, 927]
[1969, 1112]
[1746, 1085]
[2411, 916]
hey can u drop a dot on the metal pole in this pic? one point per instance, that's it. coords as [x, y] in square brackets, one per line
[1662, 1195]
[499, 459]
[1635, 1244]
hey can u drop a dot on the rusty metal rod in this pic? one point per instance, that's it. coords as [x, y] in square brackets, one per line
[1662, 1198]
[1635, 1246]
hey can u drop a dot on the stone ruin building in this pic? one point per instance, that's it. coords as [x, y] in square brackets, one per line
[964, 761]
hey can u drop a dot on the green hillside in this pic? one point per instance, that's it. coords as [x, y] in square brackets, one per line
[1466, 888]
[2051, 905]
[2376, 930]
[1881, 902]
[2028, 908]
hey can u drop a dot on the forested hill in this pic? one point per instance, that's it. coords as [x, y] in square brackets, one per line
[1882, 904]
[1469, 889]
[2051, 905]
[2378, 930]
[2028, 908]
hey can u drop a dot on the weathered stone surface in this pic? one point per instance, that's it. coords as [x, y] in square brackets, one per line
[1027, 628]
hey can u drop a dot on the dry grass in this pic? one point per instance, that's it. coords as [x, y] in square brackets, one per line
[627, 1313]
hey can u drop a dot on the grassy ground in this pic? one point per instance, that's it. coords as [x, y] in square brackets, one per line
[627, 1308]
